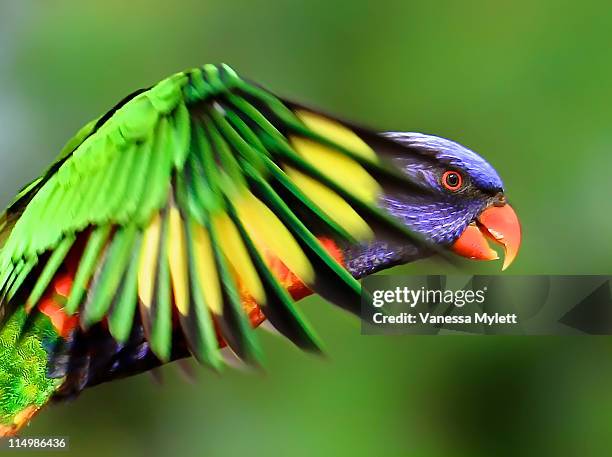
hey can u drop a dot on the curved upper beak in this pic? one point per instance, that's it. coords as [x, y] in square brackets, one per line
[498, 223]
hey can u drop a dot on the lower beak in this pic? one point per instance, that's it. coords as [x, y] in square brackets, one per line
[496, 223]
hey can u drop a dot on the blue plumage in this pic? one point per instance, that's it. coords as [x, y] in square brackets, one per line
[453, 154]
[441, 215]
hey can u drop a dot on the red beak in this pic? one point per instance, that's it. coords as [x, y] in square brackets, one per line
[497, 223]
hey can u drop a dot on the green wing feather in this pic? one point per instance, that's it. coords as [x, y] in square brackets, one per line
[183, 196]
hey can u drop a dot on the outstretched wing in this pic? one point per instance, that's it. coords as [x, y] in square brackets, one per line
[186, 200]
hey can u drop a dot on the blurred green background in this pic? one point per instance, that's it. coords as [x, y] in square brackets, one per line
[527, 84]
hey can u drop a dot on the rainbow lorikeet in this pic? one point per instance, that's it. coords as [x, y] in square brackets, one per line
[198, 208]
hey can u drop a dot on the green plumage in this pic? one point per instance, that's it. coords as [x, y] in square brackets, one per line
[23, 366]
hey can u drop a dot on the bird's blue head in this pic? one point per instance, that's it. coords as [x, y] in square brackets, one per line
[466, 205]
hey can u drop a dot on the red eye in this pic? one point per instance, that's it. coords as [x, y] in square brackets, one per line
[452, 180]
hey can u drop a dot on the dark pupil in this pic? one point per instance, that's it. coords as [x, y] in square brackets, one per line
[452, 179]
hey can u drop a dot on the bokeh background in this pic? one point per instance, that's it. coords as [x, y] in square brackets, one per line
[527, 84]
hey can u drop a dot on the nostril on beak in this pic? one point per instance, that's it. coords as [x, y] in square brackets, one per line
[500, 200]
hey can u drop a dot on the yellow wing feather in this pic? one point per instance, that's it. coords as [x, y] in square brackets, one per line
[332, 204]
[271, 237]
[335, 131]
[148, 261]
[177, 259]
[238, 257]
[207, 269]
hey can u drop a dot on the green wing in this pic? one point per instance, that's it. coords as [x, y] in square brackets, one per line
[10, 216]
[178, 202]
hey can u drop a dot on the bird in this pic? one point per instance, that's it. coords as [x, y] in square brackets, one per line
[201, 207]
